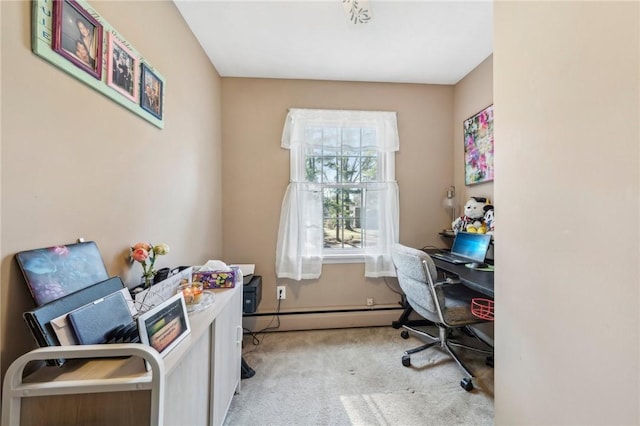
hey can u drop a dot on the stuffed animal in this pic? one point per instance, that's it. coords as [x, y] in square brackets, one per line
[473, 218]
[489, 219]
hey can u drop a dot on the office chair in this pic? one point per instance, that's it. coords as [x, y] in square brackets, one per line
[447, 304]
[406, 313]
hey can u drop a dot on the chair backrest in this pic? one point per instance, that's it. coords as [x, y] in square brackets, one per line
[412, 266]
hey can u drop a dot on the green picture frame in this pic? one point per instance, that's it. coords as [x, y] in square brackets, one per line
[42, 38]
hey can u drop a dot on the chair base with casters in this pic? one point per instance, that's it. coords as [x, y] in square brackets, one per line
[447, 304]
[446, 343]
[404, 318]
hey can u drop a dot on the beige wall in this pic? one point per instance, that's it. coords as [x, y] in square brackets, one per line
[567, 102]
[76, 164]
[256, 174]
[472, 94]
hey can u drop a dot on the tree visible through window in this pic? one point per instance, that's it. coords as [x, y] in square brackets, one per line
[342, 199]
[342, 160]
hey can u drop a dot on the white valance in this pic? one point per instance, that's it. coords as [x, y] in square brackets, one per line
[384, 123]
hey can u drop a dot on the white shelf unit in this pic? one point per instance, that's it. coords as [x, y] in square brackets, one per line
[193, 384]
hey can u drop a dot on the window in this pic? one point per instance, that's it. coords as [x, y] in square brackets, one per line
[343, 160]
[342, 200]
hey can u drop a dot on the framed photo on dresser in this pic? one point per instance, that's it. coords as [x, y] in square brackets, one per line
[165, 325]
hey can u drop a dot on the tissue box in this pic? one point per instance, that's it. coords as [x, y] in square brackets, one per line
[247, 270]
[216, 279]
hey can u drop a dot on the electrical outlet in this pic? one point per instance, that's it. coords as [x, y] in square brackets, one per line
[370, 301]
[281, 292]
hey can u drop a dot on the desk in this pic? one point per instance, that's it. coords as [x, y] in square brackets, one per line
[480, 281]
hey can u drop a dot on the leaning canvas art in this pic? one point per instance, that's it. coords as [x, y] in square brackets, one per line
[478, 147]
[53, 272]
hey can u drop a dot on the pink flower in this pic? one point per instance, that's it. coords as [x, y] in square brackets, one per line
[146, 254]
[144, 246]
[139, 254]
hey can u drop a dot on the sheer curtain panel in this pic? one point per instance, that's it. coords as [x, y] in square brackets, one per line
[301, 234]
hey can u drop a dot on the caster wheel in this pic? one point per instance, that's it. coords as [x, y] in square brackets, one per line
[467, 384]
[404, 334]
[489, 361]
[406, 360]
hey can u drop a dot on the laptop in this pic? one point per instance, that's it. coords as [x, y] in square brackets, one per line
[467, 248]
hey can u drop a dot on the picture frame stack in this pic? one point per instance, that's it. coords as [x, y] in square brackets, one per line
[71, 35]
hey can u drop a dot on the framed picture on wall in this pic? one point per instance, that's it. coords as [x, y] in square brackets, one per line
[478, 147]
[122, 68]
[151, 95]
[77, 36]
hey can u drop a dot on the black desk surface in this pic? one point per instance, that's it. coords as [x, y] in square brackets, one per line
[480, 281]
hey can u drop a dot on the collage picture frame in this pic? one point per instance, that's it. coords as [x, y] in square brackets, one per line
[77, 36]
[123, 68]
[72, 36]
[151, 92]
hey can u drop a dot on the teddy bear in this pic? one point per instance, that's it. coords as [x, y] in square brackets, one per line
[473, 218]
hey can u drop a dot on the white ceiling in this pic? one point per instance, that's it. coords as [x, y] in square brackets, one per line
[433, 42]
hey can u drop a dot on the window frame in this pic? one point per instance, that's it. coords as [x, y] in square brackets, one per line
[385, 171]
[300, 243]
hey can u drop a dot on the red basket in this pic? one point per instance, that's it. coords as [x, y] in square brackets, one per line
[482, 308]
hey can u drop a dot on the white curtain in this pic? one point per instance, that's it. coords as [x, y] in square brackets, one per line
[381, 205]
[300, 234]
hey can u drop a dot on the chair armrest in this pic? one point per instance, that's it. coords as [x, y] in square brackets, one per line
[447, 281]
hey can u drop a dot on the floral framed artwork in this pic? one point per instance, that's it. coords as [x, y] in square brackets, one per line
[122, 68]
[151, 92]
[478, 147]
[77, 36]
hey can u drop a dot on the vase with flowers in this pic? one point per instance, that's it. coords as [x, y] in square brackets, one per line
[146, 254]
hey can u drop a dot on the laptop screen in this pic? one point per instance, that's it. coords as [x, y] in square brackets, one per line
[472, 246]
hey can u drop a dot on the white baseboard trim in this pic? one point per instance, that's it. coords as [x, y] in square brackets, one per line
[322, 320]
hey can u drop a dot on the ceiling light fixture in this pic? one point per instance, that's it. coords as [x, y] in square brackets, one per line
[357, 11]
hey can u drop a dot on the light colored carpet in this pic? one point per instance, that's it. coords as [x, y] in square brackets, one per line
[356, 377]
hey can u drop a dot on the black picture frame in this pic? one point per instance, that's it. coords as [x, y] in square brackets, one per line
[151, 92]
[77, 36]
